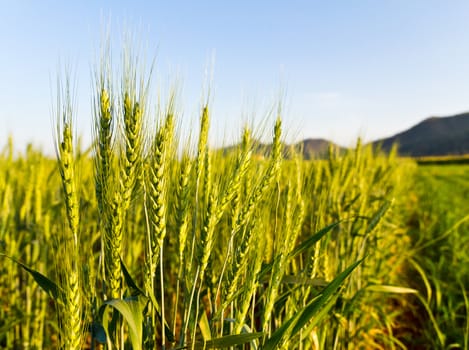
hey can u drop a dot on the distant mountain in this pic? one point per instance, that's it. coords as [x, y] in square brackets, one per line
[316, 148]
[310, 148]
[435, 136]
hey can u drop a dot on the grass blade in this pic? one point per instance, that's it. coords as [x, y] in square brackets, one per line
[294, 325]
[49, 286]
[132, 311]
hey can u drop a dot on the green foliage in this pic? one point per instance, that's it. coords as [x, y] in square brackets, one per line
[151, 243]
[271, 242]
[438, 223]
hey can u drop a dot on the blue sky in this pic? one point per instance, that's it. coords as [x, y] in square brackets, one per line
[342, 68]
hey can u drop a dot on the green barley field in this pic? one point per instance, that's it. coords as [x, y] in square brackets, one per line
[149, 241]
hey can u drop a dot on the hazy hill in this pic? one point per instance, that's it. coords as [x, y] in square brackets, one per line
[435, 136]
[315, 148]
[310, 148]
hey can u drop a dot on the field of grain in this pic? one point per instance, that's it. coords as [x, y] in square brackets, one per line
[145, 241]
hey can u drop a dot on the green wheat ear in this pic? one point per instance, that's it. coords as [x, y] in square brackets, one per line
[103, 129]
[157, 178]
[71, 303]
[67, 171]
